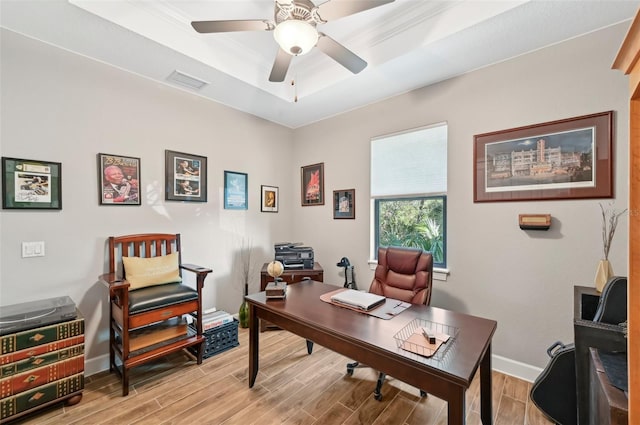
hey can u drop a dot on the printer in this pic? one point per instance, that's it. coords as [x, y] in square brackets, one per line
[293, 255]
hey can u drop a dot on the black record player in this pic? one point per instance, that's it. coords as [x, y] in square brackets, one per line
[17, 317]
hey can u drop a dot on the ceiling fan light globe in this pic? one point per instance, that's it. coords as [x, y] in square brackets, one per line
[296, 37]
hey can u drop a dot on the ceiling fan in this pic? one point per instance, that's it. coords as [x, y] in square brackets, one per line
[294, 28]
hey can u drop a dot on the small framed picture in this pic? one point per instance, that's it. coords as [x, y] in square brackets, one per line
[31, 184]
[344, 203]
[312, 184]
[119, 178]
[235, 190]
[269, 199]
[185, 177]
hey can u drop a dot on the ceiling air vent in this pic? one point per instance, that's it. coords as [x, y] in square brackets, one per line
[186, 80]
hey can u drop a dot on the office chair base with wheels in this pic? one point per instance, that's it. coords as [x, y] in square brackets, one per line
[377, 393]
[404, 274]
[351, 367]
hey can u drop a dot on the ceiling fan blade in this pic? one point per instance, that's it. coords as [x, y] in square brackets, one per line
[334, 9]
[341, 54]
[280, 66]
[205, 27]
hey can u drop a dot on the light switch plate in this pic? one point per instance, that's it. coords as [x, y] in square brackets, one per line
[32, 249]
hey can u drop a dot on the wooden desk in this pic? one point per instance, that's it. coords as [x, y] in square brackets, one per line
[369, 340]
[289, 276]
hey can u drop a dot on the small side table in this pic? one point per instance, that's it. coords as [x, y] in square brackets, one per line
[289, 276]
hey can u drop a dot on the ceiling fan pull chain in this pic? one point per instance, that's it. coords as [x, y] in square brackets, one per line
[295, 91]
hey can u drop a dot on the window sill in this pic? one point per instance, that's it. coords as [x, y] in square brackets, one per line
[438, 273]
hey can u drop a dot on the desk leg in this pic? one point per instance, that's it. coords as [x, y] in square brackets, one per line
[253, 345]
[486, 413]
[456, 408]
[309, 346]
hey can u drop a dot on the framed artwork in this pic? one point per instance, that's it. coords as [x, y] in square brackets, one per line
[269, 199]
[185, 177]
[119, 178]
[565, 159]
[344, 203]
[31, 184]
[312, 184]
[235, 190]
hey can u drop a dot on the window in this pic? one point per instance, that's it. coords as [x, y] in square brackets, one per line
[408, 190]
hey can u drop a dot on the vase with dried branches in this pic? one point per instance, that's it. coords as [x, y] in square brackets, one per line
[245, 264]
[604, 270]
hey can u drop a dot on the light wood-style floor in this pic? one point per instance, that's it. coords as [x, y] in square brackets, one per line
[292, 388]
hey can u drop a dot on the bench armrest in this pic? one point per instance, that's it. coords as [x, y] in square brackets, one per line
[115, 284]
[113, 281]
[195, 269]
[201, 273]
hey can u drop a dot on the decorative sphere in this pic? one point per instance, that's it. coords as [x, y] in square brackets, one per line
[275, 268]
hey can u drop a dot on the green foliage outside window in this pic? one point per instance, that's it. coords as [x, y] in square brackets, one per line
[415, 222]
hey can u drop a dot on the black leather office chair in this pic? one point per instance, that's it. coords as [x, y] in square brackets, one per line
[404, 274]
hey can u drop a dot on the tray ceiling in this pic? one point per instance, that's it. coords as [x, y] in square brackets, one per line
[408, 44]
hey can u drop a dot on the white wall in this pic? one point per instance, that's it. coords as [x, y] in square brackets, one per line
[524, 280]
[58, 106]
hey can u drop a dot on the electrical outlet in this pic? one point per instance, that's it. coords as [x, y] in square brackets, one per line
[32, 249]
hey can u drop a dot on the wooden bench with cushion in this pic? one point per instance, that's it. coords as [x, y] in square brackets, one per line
[146, 294]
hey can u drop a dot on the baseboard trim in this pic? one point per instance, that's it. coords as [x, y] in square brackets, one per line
[501, 364]
[96, 364]
[515, 368]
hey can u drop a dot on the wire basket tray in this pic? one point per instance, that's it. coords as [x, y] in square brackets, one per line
[405, 336]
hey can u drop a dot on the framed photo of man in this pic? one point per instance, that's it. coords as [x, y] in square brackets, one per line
[185, 177]
[119, 179]
[269, 199]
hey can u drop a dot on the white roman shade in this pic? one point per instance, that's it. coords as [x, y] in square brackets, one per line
[412, 162]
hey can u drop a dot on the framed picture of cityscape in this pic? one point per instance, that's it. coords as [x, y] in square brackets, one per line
[566, 159]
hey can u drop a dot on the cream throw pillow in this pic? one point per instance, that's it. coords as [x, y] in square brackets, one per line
[143, 272]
